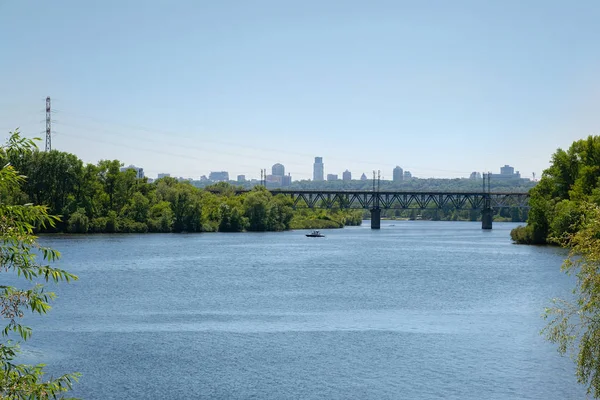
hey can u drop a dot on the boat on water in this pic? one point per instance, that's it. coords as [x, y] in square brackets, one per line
[315, 234]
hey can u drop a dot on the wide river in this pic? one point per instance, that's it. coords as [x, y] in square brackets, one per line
[417, 310]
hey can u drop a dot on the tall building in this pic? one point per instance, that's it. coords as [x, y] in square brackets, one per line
[332, 177]
[398, 174]
[363, 177]
[475, 175]
[318, 169]
[139, 172]
[287, 180]
[507, 172]
[278, 170]
[347, 175]
[163, 175]
[241, 178]
[407, 175]
[219, 176]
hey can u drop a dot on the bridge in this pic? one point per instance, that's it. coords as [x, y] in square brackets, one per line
[376, 201]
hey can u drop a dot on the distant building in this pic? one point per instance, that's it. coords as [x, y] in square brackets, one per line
[507, 172]
[150, 180]
[274, 179]
[203, 178]
[332, 177]
[318, 169]
[475, 175]
[139, 172]
[398, 174]
[219, 176]
[286, 180]
[347, 175]
[241, 178]
[363, 177]
[163, 175]
[278, 170]
[407, 175]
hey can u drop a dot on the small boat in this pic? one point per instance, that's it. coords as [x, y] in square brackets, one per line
[315, 234]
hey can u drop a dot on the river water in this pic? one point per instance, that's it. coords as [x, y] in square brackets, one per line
[417, 310]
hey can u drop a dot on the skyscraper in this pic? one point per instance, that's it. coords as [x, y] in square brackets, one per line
[398, 174]
[278, 170]
[347, 175]
[363, 177]
[318, 169]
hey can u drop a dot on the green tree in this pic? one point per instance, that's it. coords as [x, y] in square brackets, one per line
[78, 222]
[280, 213]
[18, 254]
[573, 178]
[575, 326]
[161, 217]
[256, 209]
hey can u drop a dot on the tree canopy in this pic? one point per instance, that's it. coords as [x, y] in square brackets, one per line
[21, 254]
[98, 198]
[557, 202]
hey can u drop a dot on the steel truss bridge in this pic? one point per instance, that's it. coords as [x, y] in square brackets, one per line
[403, 200]
[378, 200]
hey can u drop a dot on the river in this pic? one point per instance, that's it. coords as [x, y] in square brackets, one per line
[417, 310]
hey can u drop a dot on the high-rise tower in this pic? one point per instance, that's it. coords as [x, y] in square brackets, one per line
[318, 169]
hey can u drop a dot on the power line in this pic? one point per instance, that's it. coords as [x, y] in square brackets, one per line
[262, 149]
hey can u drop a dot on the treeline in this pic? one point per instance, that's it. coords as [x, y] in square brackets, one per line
[413, 184]
[102, 199]
[560, 200]
[449, 213]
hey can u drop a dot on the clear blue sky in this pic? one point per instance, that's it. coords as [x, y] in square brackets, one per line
[441, 88]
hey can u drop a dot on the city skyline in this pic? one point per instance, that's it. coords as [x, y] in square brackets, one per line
[446, 89]
[278, 174]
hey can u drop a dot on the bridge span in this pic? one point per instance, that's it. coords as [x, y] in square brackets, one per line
[378, 200]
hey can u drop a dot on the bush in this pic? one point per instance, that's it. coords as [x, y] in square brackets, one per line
[79, 222]
[112, 222]
[131, 226]
[303, 223]
[523, 235]
[98, 225]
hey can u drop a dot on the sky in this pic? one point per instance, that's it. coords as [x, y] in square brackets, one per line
[440, 88]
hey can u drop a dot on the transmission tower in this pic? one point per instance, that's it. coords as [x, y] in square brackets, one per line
[48, 125]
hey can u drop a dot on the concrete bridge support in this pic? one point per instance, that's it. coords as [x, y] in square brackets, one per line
[376, 218]
[486, 218]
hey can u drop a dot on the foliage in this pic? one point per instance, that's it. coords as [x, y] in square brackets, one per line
[575, 327]
[102, 198]
[572, 179]
[20, 253]
[79, 222]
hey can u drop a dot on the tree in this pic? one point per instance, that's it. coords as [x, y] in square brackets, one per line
[18, 249]
[574, 176]
[575, 327]
[256, 209]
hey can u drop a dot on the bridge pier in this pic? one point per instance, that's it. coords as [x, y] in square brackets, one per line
[376, 218]
[486, 218]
